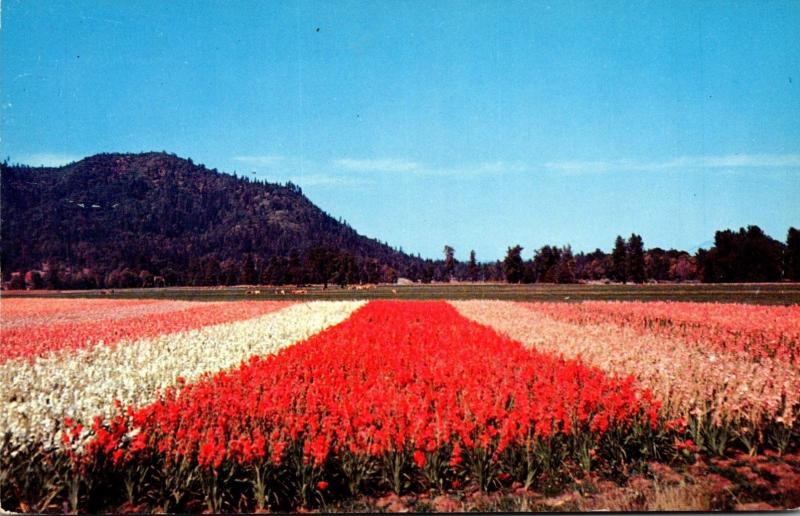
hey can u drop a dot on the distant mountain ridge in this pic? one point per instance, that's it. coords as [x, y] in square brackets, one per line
[161, 215]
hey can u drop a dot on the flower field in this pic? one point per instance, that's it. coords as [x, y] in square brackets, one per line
[757, 332]
[242, 406]
[726, 394]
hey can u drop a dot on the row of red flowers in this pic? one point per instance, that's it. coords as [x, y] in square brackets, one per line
[397, 379]
[750, 330]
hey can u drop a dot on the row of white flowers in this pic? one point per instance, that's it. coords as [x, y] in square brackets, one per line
[36, 397]
[688, 378]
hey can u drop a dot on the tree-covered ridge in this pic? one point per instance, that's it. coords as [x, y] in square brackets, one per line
[153, 215]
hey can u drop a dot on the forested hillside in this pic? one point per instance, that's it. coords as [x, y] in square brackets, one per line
[137, 219]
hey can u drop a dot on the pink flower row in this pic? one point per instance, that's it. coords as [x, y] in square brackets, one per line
[758, 332]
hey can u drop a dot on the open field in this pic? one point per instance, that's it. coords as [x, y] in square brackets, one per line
[752, 293]
[163, 405]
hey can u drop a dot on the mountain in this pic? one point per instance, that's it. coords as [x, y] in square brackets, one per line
[134, 219]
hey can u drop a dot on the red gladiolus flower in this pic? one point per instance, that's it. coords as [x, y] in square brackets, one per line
[419, 459]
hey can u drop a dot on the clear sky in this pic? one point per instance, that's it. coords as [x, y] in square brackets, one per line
[475, 124]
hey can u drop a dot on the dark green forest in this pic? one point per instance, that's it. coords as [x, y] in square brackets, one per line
[153, 219]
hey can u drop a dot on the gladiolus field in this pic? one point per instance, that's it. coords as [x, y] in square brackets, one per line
[182, 406]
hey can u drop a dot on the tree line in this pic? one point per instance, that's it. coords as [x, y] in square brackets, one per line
[747, 255]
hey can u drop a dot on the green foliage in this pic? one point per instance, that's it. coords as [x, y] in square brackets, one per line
[619, 261]
[512, 265]
[748, 255]
[792, 255]
[634, 259]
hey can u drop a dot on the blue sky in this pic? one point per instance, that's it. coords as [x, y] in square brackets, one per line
[475, 124]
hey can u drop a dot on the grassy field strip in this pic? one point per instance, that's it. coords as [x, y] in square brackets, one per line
[772, 293]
